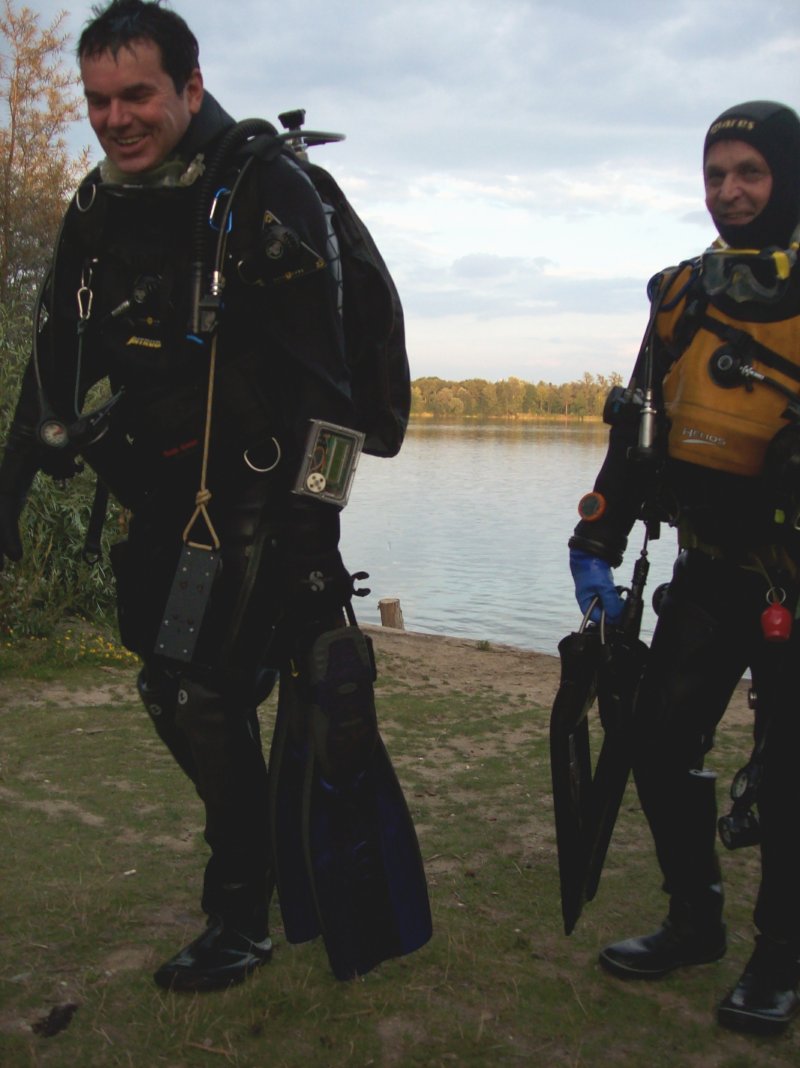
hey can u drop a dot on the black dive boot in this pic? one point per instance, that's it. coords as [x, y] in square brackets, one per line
[681, 809]
[692, 933]
[235, 942]
[219, 958]
[230, 776]
[765, 999]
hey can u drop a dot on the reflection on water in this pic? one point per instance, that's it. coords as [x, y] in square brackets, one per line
[468, 527]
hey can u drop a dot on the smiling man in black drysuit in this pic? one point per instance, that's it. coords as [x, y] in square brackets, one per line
[723, 363]
[214, 377]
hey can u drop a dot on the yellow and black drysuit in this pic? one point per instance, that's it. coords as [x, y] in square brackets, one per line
[727, 479]
[723, 372]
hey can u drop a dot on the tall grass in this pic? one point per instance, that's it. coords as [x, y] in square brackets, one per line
[52, 580]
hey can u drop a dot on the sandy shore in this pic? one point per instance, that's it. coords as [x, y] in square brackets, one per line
[432, 661]
[414, 661]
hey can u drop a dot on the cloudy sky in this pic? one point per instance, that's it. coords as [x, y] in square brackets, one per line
[525, 166]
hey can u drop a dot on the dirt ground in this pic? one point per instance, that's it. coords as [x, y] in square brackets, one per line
[433, 661]
[416, 661]
[425, 661]
[426, 664]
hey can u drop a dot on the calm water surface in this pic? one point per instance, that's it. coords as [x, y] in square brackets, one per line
[468, 527]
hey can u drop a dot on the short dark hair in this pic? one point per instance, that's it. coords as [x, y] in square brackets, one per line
[124, 22]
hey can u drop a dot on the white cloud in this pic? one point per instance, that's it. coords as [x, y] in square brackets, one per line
[525, 166]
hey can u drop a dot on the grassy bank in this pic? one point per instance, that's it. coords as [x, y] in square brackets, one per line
[103, 854]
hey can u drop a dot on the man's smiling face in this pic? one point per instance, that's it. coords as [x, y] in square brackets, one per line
[738, 182]
[134, 109]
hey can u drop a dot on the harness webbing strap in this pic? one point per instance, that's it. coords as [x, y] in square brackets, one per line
[750, 347]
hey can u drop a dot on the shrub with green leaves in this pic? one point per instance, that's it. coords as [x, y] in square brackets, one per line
[52, 580]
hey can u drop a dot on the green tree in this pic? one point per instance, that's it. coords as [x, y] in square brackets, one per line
[424, 392]
[487, 398]
[584, 399]
[566, 396]
[473, 388]
[417, 399]
[530, 398]
[513, 396]
[548, 398]
[446, 402]
[510, 396]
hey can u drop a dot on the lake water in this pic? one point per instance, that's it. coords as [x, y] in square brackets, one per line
[468, 527]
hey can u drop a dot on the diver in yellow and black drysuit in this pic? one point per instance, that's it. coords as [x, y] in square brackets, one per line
[721, 370]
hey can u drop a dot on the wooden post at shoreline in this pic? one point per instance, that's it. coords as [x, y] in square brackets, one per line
[391, 613]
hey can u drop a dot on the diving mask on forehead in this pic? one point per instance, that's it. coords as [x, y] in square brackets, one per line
[748, 274]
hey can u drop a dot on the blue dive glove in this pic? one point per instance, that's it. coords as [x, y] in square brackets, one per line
[593, 578]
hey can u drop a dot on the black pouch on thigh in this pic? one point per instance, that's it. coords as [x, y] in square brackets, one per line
[224, 607]
[188, 599]
[142, 573]
[696, 658]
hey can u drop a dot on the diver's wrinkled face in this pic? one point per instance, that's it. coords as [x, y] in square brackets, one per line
[134, 110]
[738, 182]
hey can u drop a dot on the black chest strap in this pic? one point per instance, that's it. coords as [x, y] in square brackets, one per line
[748, 348]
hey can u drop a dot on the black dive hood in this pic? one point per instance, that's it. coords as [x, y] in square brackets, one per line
[207, 124]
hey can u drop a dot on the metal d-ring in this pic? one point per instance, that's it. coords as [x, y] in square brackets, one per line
[776, 595]
[272, 466]
[86, 207]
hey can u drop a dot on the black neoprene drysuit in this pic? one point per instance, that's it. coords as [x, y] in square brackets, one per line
[280, 362]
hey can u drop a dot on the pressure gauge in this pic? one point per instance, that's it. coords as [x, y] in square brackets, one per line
[53, 433]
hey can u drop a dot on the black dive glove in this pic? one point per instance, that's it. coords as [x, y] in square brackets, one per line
[16, 474]
[10, 543]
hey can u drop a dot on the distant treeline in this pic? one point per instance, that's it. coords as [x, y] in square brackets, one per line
[511, 397]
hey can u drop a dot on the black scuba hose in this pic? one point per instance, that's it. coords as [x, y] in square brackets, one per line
[231, 140]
